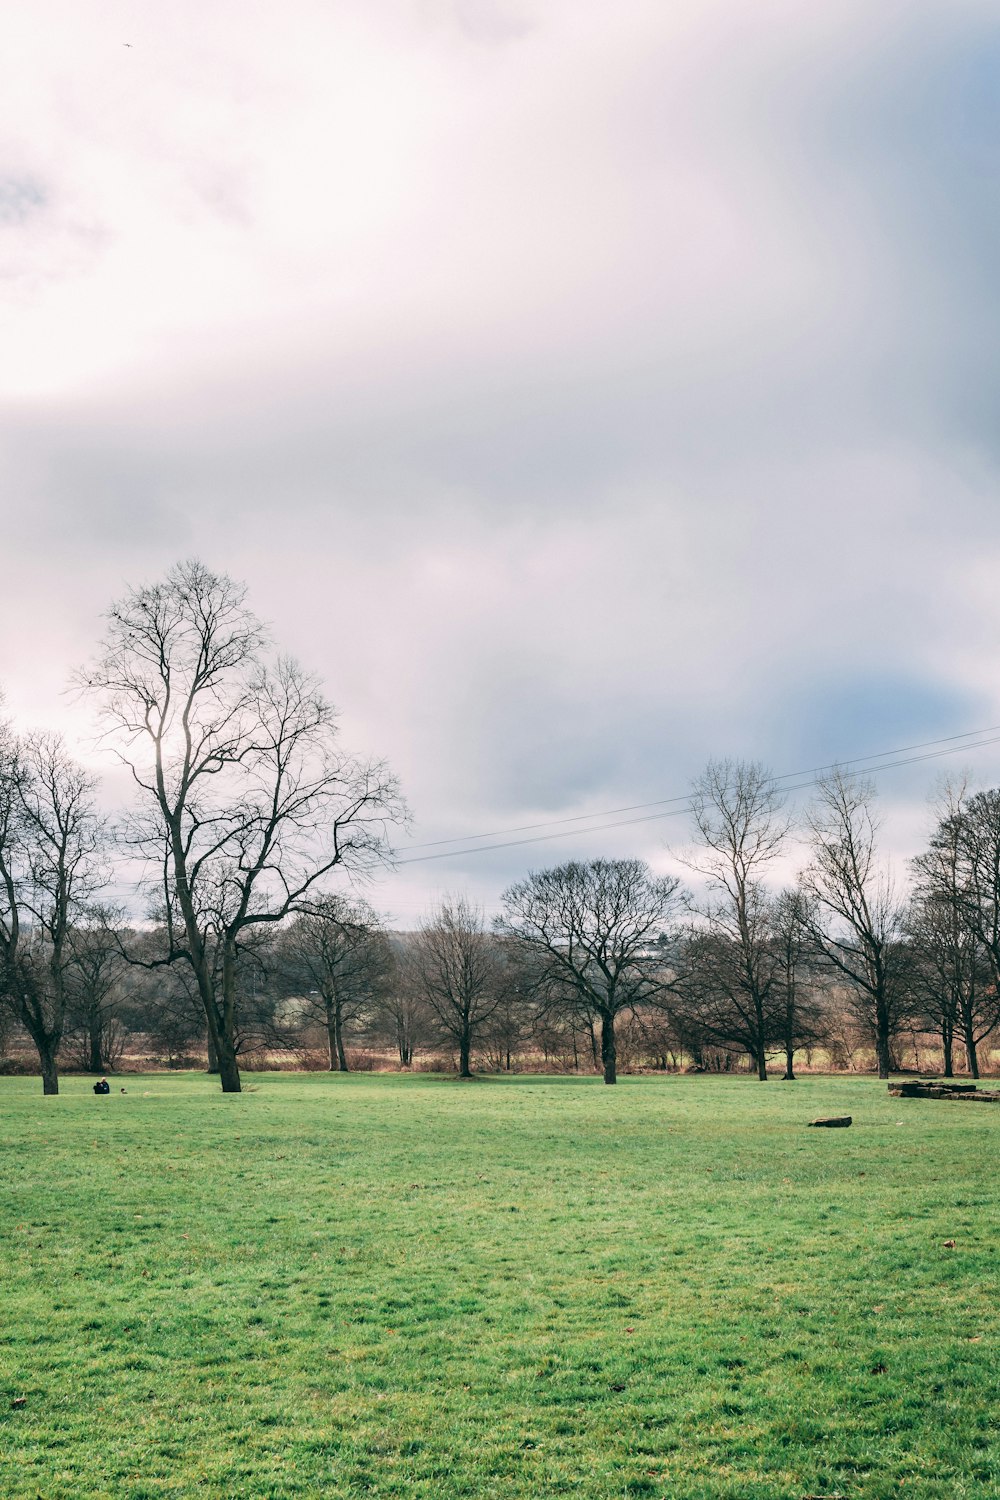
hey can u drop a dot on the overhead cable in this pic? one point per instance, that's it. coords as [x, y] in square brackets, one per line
[673, 811]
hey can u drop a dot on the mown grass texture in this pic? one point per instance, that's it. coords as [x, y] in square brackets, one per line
[409, 1286]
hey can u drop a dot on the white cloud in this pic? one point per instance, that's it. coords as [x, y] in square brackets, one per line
[584, 389]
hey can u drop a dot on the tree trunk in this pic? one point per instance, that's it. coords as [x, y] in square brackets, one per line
[759, 1052]
[402, 1045]
[335, 1034]
[225, 1027]
[224, 1048]
[789, 1063]
[229, 1070]
[609, 1052]
[46, 1045]
[883, 1051]
[47, 1050]
[330, 1010]
[970, 1049]
[464, 1053]
[213, 1053]
[947, 1041]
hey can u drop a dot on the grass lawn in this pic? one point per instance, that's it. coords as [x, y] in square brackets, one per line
[408, 1286]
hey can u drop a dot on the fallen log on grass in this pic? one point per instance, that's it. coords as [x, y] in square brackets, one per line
[919, 1088]
[834, 1122]
[935, 1090]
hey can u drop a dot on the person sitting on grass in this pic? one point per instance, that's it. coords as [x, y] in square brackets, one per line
[102, 1087]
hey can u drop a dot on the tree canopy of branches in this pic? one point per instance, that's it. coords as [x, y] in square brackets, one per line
[338, 955]
[951, 966]
[401, 1017]
[456, 965]
[247, 802]
[740, 830]
[852, 912]
[955, 919]
[95, 974]
[799, 1014]
[50, 870]
[591, 928]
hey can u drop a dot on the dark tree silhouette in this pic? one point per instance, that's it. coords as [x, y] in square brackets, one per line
[247, 802]
[591, 929]
[338, 956]
[852, 911]
[456, 965]
[50, 871]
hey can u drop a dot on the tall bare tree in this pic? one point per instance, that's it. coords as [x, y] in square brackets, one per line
[13, 773]
[799, 1015]
[338, 954]
[592, 929]
[401, 1014]
[94, 983]
[740, 830]
[512, 1026]
[457, 967]
[247, 802]
[50, 872]
[957, 914]
[852, 911]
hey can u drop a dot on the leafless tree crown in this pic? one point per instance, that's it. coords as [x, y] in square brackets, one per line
[248, 803]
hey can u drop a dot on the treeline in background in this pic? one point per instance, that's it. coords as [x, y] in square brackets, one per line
[250, 821]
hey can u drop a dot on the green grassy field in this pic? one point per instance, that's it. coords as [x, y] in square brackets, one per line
[407, 1286]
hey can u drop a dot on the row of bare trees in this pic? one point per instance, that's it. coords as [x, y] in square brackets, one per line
[953, 924]
[588, 956]
[763, 967]
[51, 843]
[745, 966]
[246, 804]
[247, 809]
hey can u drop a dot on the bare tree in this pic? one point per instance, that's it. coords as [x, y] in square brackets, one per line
[247, 802]
[94, 983]
[800, 1017]
[956, 918]
[709, 1007]
[13, 773]
[338, 955]
[457, 968]
[50, 871]
[741, 829]
[592, 929]
[512, 1026]
[401, 1015]
[162, 1004]
[851, 909]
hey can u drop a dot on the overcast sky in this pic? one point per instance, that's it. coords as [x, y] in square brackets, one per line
[583, 389]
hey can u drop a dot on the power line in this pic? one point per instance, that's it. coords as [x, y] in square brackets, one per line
[814, 772]
[610, 812]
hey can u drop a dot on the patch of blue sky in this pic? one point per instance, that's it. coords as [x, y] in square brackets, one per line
[867, 715]
[20, 198]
